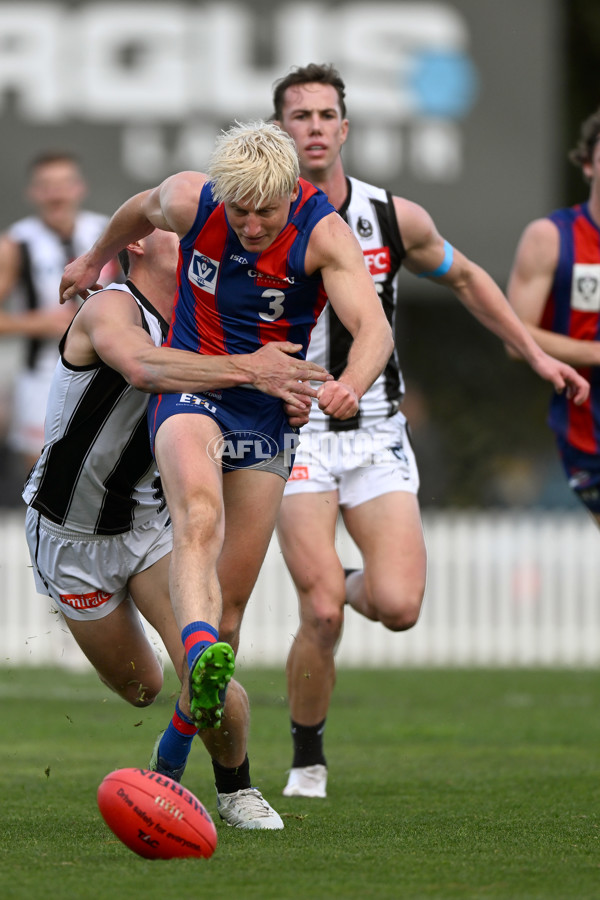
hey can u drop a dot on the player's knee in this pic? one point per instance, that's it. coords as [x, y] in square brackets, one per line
[137, 693]
[396, 606]
[141, 696]
[143, 693]
[199, 522]
[325, 622]
[403, 616]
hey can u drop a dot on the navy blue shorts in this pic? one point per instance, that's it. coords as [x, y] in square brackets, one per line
[254, 427]
[583, 474]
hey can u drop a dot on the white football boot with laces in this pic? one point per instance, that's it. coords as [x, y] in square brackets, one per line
[248, 809]
[307, 781]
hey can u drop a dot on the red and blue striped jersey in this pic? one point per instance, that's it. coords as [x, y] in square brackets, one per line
[573, 309]
[233, 301]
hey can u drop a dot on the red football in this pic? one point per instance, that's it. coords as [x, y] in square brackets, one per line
[155, 816]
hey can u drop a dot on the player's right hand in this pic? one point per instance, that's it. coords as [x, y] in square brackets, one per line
[79, 278]
[276, 371]
[338, 399]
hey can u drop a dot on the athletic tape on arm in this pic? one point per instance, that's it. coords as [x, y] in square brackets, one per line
[443, 266]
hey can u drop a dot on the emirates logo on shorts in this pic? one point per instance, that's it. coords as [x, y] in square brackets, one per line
[85, 601]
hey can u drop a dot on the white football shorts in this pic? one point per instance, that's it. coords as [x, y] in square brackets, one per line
[360, 465]
[86, 574]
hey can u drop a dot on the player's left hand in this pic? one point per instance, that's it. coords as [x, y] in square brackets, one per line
[564, 378]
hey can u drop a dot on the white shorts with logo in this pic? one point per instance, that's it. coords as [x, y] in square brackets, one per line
[85, 574]
[360, 465]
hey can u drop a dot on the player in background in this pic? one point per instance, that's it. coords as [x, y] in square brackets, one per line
[554, 287]
[259, 249]
[97, 526]
[33, 254]
[364, 466]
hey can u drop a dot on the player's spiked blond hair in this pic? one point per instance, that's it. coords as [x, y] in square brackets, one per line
[256, 161]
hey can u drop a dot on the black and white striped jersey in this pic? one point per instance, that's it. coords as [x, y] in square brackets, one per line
[96, 473]
[370, 213]
[44, 255]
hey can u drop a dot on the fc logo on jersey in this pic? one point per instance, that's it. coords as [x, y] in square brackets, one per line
[378, 260]
[203, 272]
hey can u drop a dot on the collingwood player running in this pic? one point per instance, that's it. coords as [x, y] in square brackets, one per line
[364, 467]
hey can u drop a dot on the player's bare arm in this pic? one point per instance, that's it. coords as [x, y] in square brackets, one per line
[38, 323]
[34, 323]
[479, 293]
[334, 250]
[10, 266]
[171, 206]
[272, 369]
[530, 284]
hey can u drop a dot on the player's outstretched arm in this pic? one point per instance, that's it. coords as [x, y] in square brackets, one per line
[171, 206]
[128, 224]
[271, 369]
[428, 254]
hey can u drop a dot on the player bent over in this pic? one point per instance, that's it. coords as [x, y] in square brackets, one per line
[260, 248]
[97, 526]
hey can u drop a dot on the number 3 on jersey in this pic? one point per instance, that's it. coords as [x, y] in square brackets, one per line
[275, 305]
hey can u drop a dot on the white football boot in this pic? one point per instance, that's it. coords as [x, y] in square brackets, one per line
[248, 809]
[307, 781]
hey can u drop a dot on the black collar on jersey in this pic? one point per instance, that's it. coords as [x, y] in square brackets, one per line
[164, 325]
[344, 207]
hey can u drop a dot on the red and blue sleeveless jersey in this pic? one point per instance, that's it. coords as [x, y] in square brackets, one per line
[233, 301]
[573, 309]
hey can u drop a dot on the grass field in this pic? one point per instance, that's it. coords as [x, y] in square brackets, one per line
[443, 784]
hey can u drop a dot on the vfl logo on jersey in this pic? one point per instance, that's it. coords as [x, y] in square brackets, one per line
[364, 227]
[585, 288]
[85, 601]
[378, 261]
[203, 272]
